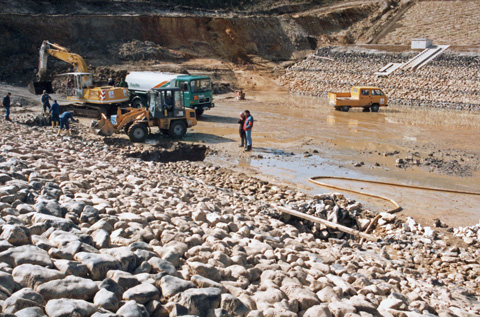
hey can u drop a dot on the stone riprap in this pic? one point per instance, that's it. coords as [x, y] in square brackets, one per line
[86, 230]
[449, 81]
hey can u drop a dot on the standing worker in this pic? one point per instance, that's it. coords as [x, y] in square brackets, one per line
[6, 104]
[45, 101]
[123, 83]
[64, 122]
[247, 127]
[243, 137]
[55, 111]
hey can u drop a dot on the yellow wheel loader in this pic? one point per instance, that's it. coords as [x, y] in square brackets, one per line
[165, 110]
[79, 84]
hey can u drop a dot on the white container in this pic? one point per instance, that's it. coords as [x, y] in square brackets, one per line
[421, 43]
[144, 81]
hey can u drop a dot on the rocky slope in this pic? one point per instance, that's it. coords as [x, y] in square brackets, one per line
[448, 81]
[87, 230]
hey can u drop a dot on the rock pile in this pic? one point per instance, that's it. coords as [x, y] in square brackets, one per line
[449, 81]
[85, 230]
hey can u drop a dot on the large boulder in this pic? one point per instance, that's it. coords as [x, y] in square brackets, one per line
[69, 287]
[233, 305]
[125, 256]
[30, 275]
[15, 234]
[205, 270]
[124, 279]
[26, 254]
[24, 298]
[142, 293]
[71, 267]
[106, 299]
[171, 285]
[7, 283]
[201, 301]
[132, 309]
[31, 312]
[161, 265]
[49, 207]
[51, 221]
[98, 264]
[70, 307]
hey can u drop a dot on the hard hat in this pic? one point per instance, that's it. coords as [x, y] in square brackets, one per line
[44, 91]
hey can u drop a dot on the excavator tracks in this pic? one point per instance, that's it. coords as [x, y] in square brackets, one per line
[86, 110]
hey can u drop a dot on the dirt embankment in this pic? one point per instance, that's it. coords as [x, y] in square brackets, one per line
[140, 40]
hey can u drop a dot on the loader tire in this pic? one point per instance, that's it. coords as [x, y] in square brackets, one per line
[375, 107]
[138, 132]
[127, 127]
[177, 129]
[345, 108]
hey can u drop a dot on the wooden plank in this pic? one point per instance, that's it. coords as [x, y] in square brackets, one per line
[327, 223]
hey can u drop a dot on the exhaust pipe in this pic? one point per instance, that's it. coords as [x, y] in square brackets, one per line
[38, 87]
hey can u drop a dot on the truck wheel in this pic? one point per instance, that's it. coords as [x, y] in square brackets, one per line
[177, 129]
[137, 102]
[199, 112]
[338, 108]
[138, 132]
[375, 107]
[345, 108]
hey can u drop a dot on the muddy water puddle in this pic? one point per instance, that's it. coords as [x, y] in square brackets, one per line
[296, 137]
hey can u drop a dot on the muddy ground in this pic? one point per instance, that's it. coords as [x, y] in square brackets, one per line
[297, 137]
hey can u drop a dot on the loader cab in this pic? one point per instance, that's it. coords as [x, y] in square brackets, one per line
[166, 103]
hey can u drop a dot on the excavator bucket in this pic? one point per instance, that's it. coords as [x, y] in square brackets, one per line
[38, 87]
[106, 128]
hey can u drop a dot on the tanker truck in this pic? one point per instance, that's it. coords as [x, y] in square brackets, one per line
[198, 94]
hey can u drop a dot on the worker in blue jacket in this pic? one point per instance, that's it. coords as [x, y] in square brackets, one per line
[247, 127]
[6, 104]
[64, 122]
[45, 101]
[55, 112]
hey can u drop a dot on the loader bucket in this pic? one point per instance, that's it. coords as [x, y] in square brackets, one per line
[38, 87]
[105, 126]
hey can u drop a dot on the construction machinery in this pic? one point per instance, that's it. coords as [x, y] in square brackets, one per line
[198, 93]
[369, 98]
[165, 110]
[79, 86]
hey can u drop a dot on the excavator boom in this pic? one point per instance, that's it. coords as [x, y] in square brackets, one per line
[61, 53]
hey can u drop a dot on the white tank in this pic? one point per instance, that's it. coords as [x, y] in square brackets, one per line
[145, 81]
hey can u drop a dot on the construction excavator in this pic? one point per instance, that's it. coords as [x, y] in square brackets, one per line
[88, 100]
